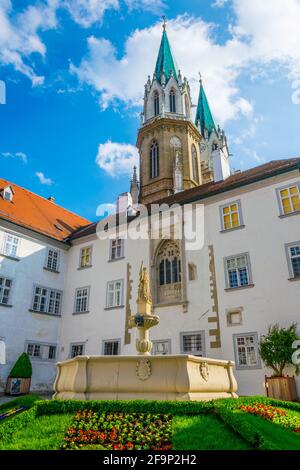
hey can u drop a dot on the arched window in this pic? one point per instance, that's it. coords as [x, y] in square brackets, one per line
[172, 101]
[195, 164]
[169, 264]
[156, 103]
[154, 160]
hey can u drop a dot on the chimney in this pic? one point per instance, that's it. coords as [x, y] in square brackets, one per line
[123, 202]
[51, 199]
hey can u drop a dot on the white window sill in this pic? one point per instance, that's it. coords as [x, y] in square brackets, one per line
[5, 305]
[249, 286]
[51, 270]
[112, 260]
[80, 313]
[293, 279]
[84, 267]
[45, 313]
[13, 258]
[114, 307]
[283, 216]
[233, 229]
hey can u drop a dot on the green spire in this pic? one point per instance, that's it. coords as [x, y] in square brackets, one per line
[204, 116]
[165, 62]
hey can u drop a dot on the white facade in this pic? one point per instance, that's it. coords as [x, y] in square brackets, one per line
[271, 298]
[19, 325]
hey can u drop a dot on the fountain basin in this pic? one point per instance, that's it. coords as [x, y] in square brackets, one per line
[178, 377]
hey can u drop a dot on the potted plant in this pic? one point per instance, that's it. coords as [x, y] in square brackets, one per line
[19, 379]
[276, 351]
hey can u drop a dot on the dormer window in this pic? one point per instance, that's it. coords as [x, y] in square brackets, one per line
[8, 193]
[172, 101]
[156, 103]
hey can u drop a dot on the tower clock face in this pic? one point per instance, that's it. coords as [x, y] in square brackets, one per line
[202, 147]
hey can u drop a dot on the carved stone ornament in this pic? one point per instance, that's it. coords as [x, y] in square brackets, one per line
[204, 371]
[143, 369]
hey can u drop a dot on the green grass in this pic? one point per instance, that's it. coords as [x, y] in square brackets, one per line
[44, 433]
[25, 400]
[282, 438]
[205, 432]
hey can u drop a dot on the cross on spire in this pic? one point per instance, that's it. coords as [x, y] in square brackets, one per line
[164, 22]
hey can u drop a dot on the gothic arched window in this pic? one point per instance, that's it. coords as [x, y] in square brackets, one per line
[195, 164]
[169, 264]
[154, 160]
[172, 101]
[156, 103]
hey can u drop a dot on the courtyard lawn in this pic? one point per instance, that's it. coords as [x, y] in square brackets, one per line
[214, 425]
[205, 432]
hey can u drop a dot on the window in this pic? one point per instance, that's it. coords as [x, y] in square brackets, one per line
[114, 296]
[234, 316]
[172, 101]
[82, 299]
[42, 351]
[5, 290]
[52, 259]
[193, 343]
[238, 271]
[231, 215]
[289, 198]
[195, 164]
[86, 257]
[169, 265]
[156, 103]
[246, 351]
[293, 254]
[47, 300]
[7, 196]
[154, 160]
[77, 349]
[11, 245]
[111, 347]
[161, 347]
[116, 248]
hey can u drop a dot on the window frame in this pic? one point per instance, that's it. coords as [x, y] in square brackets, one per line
[172, 101]
[279, 199]
[114, 293]
[193, 333]
[116, 258]
[288, 246]
[3, 251]
[238, 366]
[115, 340]
[87, 247]
[54, 250]
[154, 160]
[249, 272]
[240, 215]
[48, 299]
[9, 297]
[81, 344]
[157, 341]
[41, 345]
[76, 312]
[156, 103]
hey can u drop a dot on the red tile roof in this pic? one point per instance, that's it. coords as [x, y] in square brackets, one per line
[38, 214]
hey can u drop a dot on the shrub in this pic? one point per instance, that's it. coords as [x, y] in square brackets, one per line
[49, 407]
[22, 368]
[276, 348]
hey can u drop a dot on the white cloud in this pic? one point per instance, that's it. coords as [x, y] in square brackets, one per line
[155, 6]
[219, 3]
[20, 155]
[88, 12]
[43, 180]
[117, 158]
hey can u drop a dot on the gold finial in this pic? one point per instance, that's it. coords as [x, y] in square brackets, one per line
[164, 23]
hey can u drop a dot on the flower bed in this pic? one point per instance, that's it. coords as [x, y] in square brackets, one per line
[12, 412]
[276, 415]
[119, 431]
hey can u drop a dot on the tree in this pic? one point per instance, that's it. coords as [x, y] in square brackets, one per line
[276, 349]
[22, 368]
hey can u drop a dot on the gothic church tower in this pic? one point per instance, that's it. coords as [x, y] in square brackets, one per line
[168, 141]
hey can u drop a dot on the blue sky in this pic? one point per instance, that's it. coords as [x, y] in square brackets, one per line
[75, 73]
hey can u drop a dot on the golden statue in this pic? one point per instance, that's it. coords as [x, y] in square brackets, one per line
[144, 294]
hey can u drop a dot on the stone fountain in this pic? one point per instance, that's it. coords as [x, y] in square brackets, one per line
[173, 377]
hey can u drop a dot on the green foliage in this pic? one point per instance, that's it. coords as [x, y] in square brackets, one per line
[275, 348]
[49, 407]
[27, 400]
[22, 368]
[11, 426]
